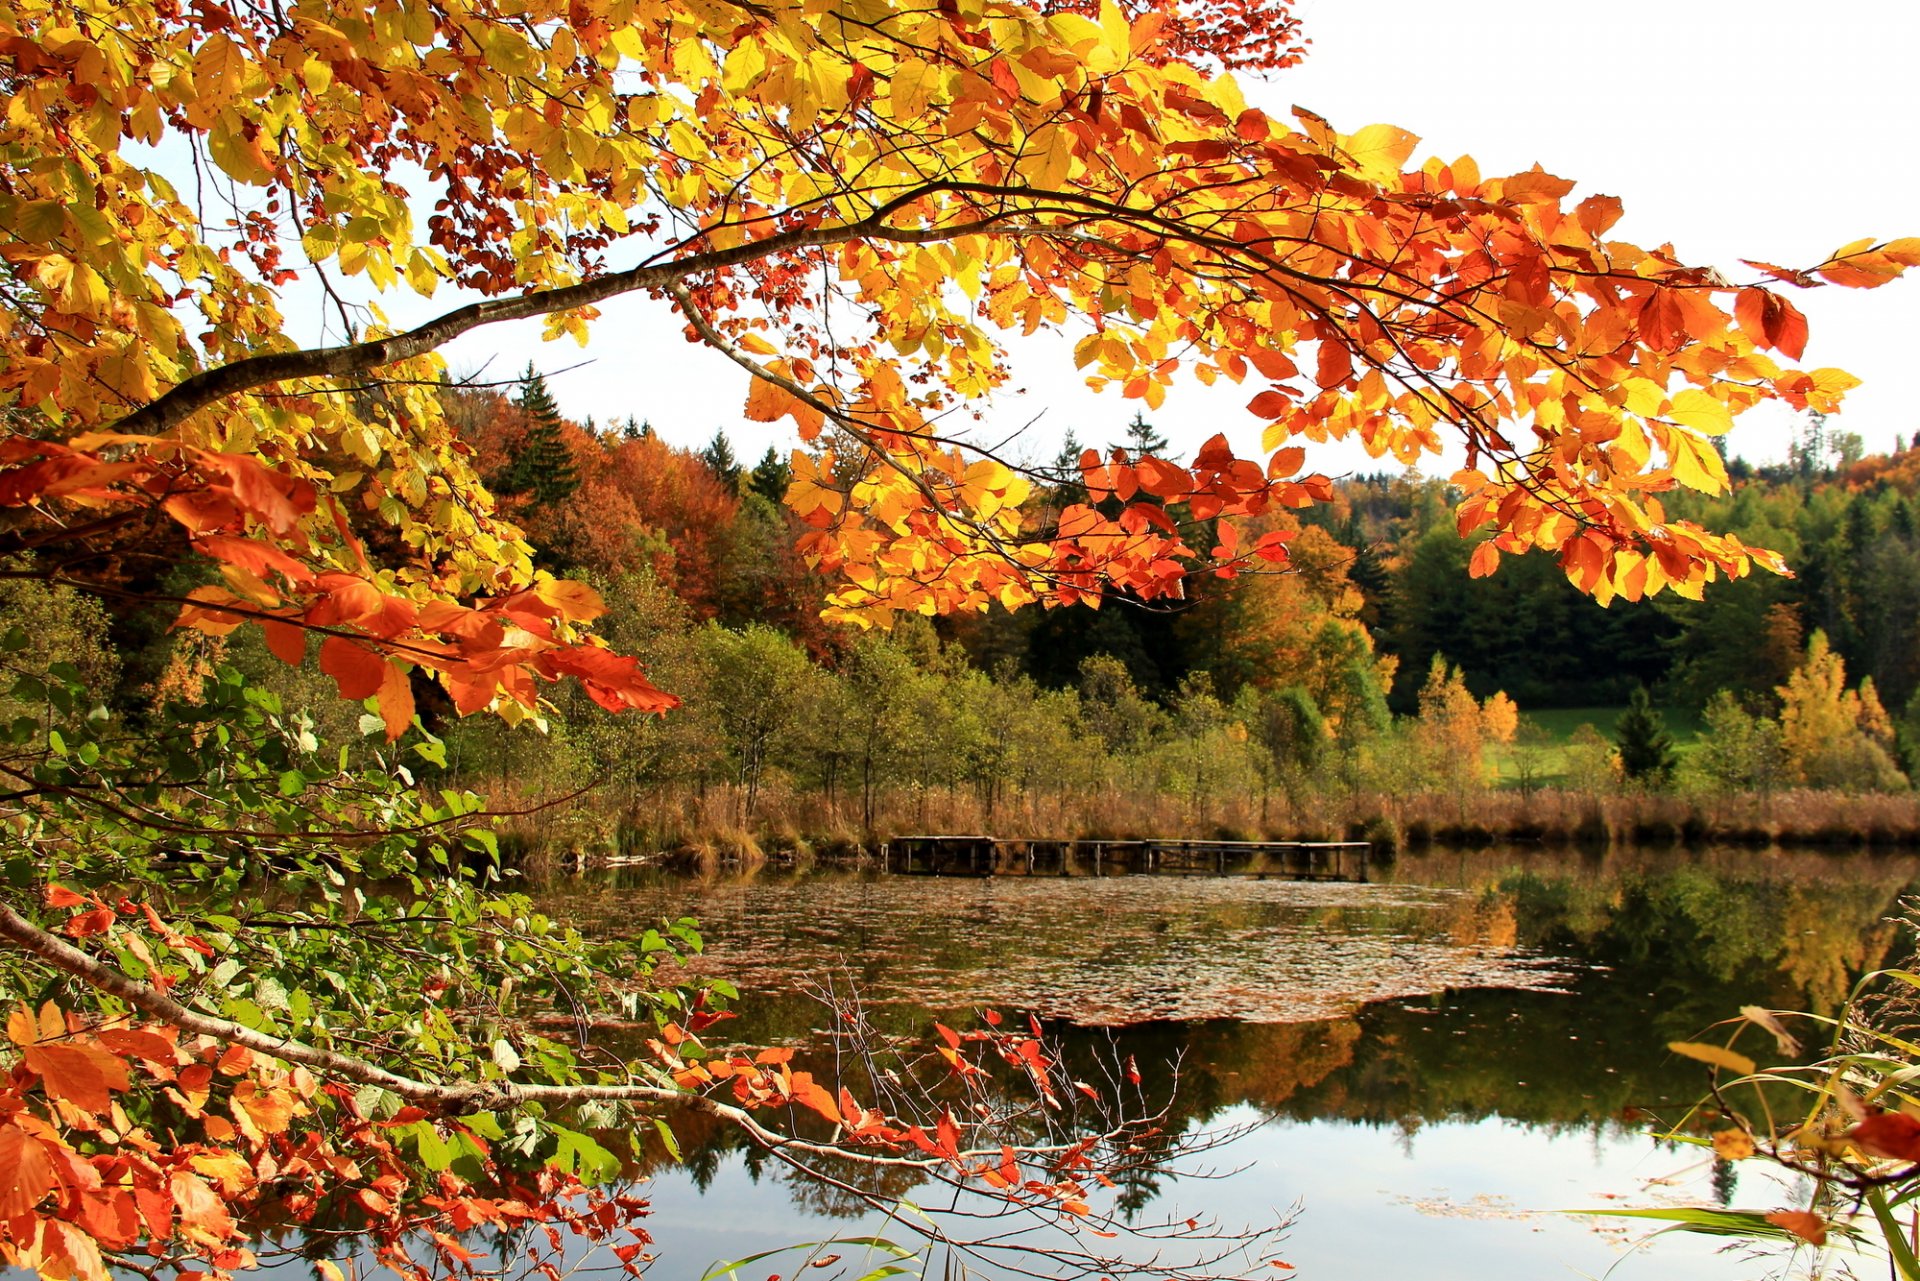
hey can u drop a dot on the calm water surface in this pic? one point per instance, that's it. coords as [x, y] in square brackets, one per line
[1438, 1063]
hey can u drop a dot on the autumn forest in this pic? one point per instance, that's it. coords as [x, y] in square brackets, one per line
[447, 836]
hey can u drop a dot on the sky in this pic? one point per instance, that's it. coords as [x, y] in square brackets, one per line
[1730, 129]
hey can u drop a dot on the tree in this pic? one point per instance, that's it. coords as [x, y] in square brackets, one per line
[850, 204]
[771, 476]
[718, 456]
[1640, 736]
[1833, 736]
[1143, 439]
[542, 466]
[1738, 751]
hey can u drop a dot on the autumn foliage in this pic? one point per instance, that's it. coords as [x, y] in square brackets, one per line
[862, 207]
[953, 174]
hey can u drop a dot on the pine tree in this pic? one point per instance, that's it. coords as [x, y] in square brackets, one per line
[1144, 439]
[636, 429]
[542, 469]
[1646, 749]
[1066, 467]
[770, 477]
[718, 456]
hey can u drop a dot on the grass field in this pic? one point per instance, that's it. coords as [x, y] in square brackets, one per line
[1560, 724]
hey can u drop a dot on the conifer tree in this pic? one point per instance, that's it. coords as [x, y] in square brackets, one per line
[770, 477]
[1144, 439]
[1646, 749]
[543, 467]
[718, 456]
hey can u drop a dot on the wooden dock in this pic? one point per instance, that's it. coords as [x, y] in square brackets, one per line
[994, 856]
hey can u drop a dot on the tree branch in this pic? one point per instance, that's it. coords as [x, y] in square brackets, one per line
[444, 1098]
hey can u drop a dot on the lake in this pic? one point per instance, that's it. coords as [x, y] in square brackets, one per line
[1428, 1067]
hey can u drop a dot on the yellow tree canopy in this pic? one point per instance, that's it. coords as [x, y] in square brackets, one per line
[861, 202]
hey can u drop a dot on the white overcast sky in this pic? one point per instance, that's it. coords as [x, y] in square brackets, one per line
[1733, 130]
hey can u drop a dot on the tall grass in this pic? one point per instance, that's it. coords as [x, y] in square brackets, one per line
[709, 826]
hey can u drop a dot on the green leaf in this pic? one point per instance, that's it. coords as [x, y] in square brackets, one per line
[666, 1137]
[580, 1155]
[1717, 1223]
[1895, 1235]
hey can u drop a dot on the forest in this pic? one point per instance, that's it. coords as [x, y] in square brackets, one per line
[1376, 683]
[341, 693]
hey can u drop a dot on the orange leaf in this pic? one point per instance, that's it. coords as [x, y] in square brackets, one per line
[1270, 404]
[82, 1075]
[1163, 478]
[29, 1173]
[203, 1215]
[395, 700]
[1809, 1227]
[261, 1111]
[87, 924]
[1771, 321]
[1486, 559]
[357, 670]
[285, 641]
[1335, 363]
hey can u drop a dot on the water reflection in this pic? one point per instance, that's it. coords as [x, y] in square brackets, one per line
[1478, 1013]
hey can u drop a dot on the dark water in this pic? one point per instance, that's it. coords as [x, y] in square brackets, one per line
[1435, 1064]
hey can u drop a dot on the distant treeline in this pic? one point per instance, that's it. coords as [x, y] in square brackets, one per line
[1381, 558]
[1376, 685]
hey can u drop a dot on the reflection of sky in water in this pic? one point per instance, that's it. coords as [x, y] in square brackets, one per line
[1099, 952]
[1450, 1202]
[1450, 1197]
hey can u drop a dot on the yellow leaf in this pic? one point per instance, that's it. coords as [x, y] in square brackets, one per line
[1732, 1145]
[1380, 151]
[1699, 410]
[1716, 1055]
[1645, 397]
[1696, 463]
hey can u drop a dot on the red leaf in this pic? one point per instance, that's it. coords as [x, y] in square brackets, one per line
[285, 641]
[1892, 1135]
[87, 924]
[61, 896]
[949, 1137]
[1335, 363]
[1270, 404]
[357, 670]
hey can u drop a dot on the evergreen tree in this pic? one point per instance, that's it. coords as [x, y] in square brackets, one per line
[718, 456]
[636, 429]
[770, 477]
[1066, 467]
[1144, 439]
[542, 467]
[1646, 749]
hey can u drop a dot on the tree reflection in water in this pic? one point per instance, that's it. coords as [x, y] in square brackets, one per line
[1509, 987]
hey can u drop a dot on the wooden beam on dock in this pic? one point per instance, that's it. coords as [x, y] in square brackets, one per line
[957, 855]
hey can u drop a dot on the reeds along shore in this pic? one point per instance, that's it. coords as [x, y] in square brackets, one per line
[709, 827]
